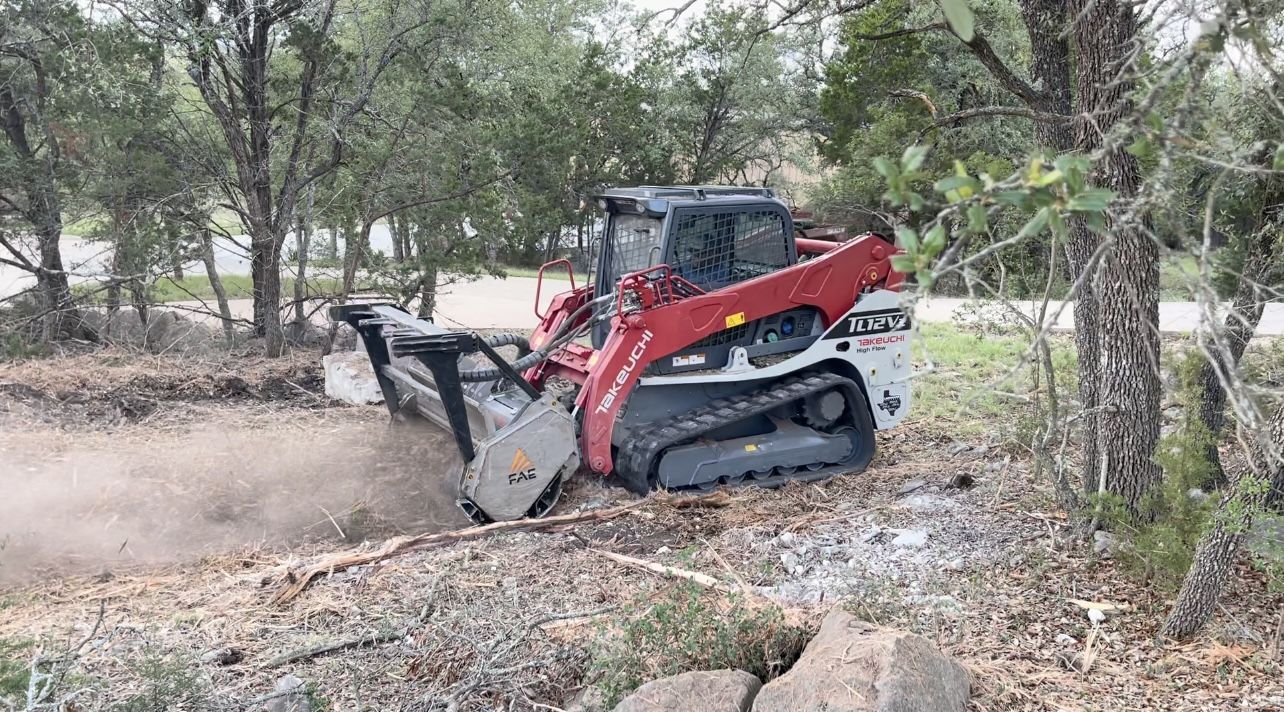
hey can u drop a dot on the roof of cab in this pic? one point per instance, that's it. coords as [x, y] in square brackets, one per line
[657, 198]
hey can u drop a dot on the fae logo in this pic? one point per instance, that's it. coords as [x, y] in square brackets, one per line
[522, 468]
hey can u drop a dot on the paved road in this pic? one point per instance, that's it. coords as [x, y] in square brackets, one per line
[496, 303]
[507, 304]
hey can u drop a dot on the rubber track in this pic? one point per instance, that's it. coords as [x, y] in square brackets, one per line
[639, 454]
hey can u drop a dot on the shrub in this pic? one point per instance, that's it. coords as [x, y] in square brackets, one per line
[691, 630]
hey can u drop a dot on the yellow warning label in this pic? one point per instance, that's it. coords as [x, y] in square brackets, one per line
[520, 462]
[751, 448]
[735, 319]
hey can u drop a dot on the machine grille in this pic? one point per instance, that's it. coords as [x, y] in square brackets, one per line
[734, 335]
[715, 248]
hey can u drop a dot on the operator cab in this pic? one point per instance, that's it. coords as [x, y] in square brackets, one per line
[713, 237]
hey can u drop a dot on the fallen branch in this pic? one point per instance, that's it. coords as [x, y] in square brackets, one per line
[357, 642]
[702, 579]
[296, 581]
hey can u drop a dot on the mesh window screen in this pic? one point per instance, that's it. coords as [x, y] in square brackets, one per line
[714, 249]
[635, 244]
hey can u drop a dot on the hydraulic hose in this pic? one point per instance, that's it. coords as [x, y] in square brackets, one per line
[531, 358]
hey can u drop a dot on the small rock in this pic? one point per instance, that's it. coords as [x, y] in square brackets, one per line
[1197, 495]
[910, 538]
[980, 450]
[928, 502]
[789, 560]
[294, 696]
[802, 551]
[994, 466]
[1064, 639]
[962, 480]
[957, 448]
[787, 539]
[712, 691]
[223, 656]
[597, 502]
[663, 550]
[1016, 561]
[1095, 615]
[911, 486]
[1102, 542]
[955, 564]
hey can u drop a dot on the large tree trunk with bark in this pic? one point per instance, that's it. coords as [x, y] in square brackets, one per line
[1128, 373]
[1217, 549]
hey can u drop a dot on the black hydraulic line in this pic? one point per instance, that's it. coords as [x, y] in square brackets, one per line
[521, 342]
[507, 369]
[565, 334]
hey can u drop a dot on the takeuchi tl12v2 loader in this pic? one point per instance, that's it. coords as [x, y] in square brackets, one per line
[710, 347]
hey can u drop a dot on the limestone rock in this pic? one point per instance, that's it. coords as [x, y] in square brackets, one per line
[349, 378]
[711, 691]
[291, 696]
[851, 666]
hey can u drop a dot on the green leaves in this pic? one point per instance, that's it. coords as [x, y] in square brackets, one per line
[1093, 200]
[1044, 194]
[959, 15]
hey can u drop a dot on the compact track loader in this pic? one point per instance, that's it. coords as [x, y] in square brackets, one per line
[710, 347]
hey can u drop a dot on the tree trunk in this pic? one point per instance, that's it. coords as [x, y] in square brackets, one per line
[62, 318]
[1215, 555]
[355, 253]
[394, 232]
[302, 243]
[176, 259]
[1128, 340]
[428, 293]
[265, 271]
[1045, 22]
[1251, 295]
[216, 283]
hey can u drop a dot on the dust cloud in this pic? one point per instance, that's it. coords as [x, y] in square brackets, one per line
[88, 503]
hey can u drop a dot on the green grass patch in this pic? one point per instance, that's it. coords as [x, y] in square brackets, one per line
[1175, 276]
[223, 221]
[980, 377]
[168, 289]
[15, 670]
[551, 273]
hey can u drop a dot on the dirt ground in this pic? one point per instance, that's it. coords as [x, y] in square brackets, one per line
[168, 534]
[110, 466]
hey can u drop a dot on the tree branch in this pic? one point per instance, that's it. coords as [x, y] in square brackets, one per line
[980, 47]
[934, 27]
[914, 94]
[1031, 114]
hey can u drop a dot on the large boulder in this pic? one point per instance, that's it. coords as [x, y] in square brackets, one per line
[711, 691]
[350, 378]
[851, 666]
